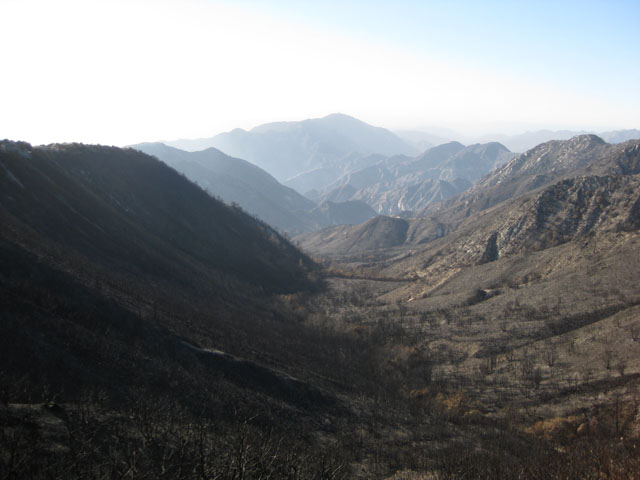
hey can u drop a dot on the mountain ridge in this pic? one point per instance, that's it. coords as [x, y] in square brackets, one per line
[540, 171]
[543, 165]
[126, 187]
[399, 184]
[237, 181]
[287, 149]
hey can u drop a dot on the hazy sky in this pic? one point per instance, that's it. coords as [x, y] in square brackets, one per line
[125, 71]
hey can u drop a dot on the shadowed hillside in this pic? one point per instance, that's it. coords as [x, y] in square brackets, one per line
[126, 211]
[236, 181]
[120, 282]
[151, 331]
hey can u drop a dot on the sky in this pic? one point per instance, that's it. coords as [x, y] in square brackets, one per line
[119, 72]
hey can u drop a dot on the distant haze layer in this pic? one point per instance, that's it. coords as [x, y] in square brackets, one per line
[123, 72]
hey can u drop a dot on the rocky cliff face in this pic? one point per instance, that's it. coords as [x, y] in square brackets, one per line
[543, 166]
[565, 211]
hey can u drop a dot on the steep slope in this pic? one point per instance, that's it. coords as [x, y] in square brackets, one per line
[288, 149]
[399, 184]
[134, 307]
[544, 165]
[143, 333]
[111, 261]
[474, 161]
[238, 181]
[569, 211]
[538, 172]
[436, 156]
[503, 345]
[122, 207]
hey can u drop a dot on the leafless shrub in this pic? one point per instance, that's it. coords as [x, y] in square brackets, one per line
[621, 366]
[607, 358]
[634, 331]
[549, 355]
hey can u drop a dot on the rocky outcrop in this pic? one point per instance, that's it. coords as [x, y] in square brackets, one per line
[544, 165]
[491, 252]
[567, 210]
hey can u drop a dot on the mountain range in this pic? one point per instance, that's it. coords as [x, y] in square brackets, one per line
[521, 291]
[525, 141]
[543, 166]
[534, 177]
[150, 330]
[517, 143]
[312, 150]
[338, 158]
[392, 185]
[237, 181]
[401, 184]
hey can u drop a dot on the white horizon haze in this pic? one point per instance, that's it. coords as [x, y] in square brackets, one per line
[122, 72]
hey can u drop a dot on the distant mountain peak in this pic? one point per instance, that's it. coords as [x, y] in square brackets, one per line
[289, 149]
[332, 120]
[587, 139]
[531, 139]
[342, 118]
[547, 164]
[339, 115]
[497, 145]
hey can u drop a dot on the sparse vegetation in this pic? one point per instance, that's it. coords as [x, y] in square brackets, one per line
[132, 348]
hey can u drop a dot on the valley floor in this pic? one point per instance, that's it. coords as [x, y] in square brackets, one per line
[540, 347]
